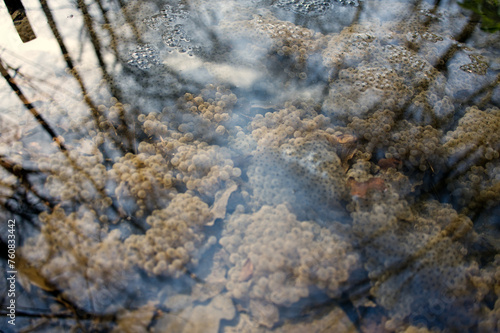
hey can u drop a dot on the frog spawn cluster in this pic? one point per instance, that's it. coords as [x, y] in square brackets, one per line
[291, 142]
[286, 257]
[73, 253]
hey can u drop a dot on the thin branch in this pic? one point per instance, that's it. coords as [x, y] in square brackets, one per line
[30, 107]
[67, 58]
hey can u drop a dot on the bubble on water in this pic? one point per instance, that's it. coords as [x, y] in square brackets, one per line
[172, 23]
[312, 7]
[144, 57]
[167, 15]
[478, 65]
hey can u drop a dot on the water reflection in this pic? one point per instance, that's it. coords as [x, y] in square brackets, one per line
[252, 166]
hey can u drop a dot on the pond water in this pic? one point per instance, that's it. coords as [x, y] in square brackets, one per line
[250, 166]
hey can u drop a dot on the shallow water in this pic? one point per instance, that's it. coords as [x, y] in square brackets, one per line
[251, 166]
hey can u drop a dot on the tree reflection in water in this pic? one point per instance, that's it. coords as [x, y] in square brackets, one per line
[253, 166]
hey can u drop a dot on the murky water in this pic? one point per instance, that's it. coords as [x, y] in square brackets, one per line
[251, 166]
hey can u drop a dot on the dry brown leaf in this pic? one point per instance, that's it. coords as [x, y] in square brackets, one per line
[346, 138]
[136, 320]
[30, 275]
[386, 163]
[341, 139]
[345, 146]
[220, 203]
[360, 189]
[246, 271]
[346, 157]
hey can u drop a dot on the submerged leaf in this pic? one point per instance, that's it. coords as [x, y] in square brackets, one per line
[136, 320]
[360, 189]
[31, 275]
[246, 271]
[386, 163]
[346, 147]
[220, 203]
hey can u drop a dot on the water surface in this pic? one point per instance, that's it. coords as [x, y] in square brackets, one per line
[252, 166]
